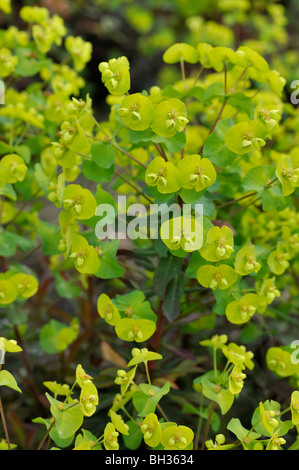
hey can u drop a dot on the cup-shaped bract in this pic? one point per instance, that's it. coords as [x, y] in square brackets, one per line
[245, 137]
[245, 261]
[170, 116]
[136, 111]
[288, 175]
[164, 175]
[196, 172]
[13, 168]
[180, 52]
[176, 437]
[85, 256]
[80, 51]
[236, 380]
[110, 437]
[219, 244]
[240, 311]
[182, 232]
[89, 398]
[151, 430]
[116, 75]
[213, 277]
[107, 310]
[8, 292]
[26, 285]
[79, 201]
[129, 329]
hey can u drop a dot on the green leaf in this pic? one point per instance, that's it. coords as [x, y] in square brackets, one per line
[68, 417]
[242, 103]
[257, 178]
[66, 288]
[8, 191]
[168, 267]
[7, 379]
[28, 65]
[215, 90]
[146, 399]
[109, 268]
[100, 175]
[174, 292]
[103, 154]
[50, 236]
[242, 433]
[134, 438]
[61, 443]
[215, 148]
[55, 336]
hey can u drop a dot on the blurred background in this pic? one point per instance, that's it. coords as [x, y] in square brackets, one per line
[143, 29]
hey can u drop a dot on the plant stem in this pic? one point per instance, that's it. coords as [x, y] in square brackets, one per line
[118, 148]
[46, 435]
[198, 75]
[183, 72]
[207, 426]
[128, 415]
[4, 425]
[199, 424]
[160, 150]
[133, 186]
[162, 412]
[147, 373]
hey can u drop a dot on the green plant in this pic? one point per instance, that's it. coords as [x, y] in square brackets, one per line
[219, 137]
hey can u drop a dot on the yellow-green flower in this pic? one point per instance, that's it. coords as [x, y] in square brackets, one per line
[151, 429]
[176, 437]
[110, 437]
[245, 261]
[295, 407]
[240, 311]
[219, 244]
[221, 277]
[89, 398]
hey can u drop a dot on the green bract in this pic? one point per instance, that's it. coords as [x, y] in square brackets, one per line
[222, 276]
[288, 175]
[107, 310]
[245, 261]
[295, 407]
[129, 329]
[13, 168]
[240, 311]
[245, 137]
[110, 437]
[136, 112]
[164, 175]
[116, 75]
[236, 380]
[81, 377]
[182, 232]
[151, 429]
[180, 51]
[196, 172]
[79, 202]
[80, 51]
[8, 292]
[89, 398]
[26, 285]
[176, 437]
[170, 116]
[219, 244]
[85, 256]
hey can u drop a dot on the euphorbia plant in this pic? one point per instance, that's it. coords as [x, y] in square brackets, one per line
[211, 138]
